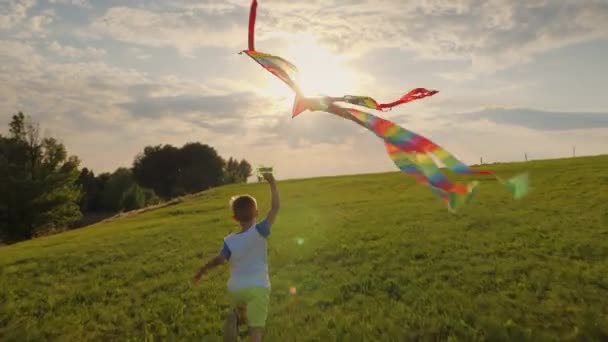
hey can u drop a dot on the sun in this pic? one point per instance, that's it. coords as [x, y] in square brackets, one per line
[321, 72]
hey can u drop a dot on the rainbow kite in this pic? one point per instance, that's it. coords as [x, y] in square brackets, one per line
[412, 153]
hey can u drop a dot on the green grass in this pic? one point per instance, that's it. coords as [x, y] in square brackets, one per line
[381, 259]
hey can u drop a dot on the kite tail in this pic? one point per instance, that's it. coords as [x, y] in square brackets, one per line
[412, 153]
[453, 195]
[415, 94]
[518, 185]
[368, 102]
[298, 106]
[252, 16]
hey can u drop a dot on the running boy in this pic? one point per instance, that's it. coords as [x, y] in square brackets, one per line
[249, 285]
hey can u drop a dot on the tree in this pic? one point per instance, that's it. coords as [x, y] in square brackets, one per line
[231, 171]
[117, 186]
[109, 193]
[117, 192]
[237, 172]
[133, 198]
[38, 189]
[151, 197]
[244, 170]
[91, 191]
[200, 168]
[157, 168]
[172, 172]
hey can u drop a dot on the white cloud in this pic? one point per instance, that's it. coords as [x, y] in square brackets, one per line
[209, 6]
[490, 35]
[89, 103]
[68, 96]
[79, 3]
[13, 12]
[37, 25]
[183, 30]
[76, 53]
[15, 18]
[537, 119]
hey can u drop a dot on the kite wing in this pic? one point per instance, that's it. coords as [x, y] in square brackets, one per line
[287, 72]
[280, 67]
[302, 103]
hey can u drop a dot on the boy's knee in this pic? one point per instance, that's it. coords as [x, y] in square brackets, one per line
[256, 334]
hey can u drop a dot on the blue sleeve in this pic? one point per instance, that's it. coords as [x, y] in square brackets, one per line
[263, 228]
[226, 251]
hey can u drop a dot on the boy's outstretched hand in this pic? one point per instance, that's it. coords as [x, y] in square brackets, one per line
[197, 278]
[269, 177]
[214, 262]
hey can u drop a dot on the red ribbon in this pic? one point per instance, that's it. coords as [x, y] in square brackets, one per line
[415, 94]
[252, 14]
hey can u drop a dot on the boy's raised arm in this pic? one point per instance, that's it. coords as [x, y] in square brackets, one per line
[274, 202]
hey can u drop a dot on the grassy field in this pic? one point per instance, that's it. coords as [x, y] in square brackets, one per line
[373, 257]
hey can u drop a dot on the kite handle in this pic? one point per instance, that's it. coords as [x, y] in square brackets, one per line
[263, 170]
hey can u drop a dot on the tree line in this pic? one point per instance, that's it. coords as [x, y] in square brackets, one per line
[44, 189]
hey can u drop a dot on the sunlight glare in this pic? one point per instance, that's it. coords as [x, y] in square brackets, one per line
[321, 72]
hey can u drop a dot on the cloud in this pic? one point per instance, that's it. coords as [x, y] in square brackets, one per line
[489, 35]
[62, 94]
[14, 12]
[538, 120]
[225, 106]
[185, 29]
[78, 3]
[90, 104]
[309, 129]
[75, 53]
[15, 20]
[38, 22]
[224, 113]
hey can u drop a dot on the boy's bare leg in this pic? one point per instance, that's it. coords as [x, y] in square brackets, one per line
[256, 334]
[230, 327]
[242, 314]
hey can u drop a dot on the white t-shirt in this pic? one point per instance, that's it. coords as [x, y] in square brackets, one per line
[247, 253]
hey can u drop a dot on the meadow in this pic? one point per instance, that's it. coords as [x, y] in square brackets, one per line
[373, 258]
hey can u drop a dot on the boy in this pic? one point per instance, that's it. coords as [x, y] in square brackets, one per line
[249, 285]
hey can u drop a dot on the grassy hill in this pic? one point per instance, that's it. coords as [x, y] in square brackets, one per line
[373, 257]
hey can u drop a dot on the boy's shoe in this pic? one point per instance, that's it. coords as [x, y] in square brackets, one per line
[231, 327]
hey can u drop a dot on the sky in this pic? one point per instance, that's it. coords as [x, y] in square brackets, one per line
[111, 77]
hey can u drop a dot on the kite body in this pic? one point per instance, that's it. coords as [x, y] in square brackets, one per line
[412, 153]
